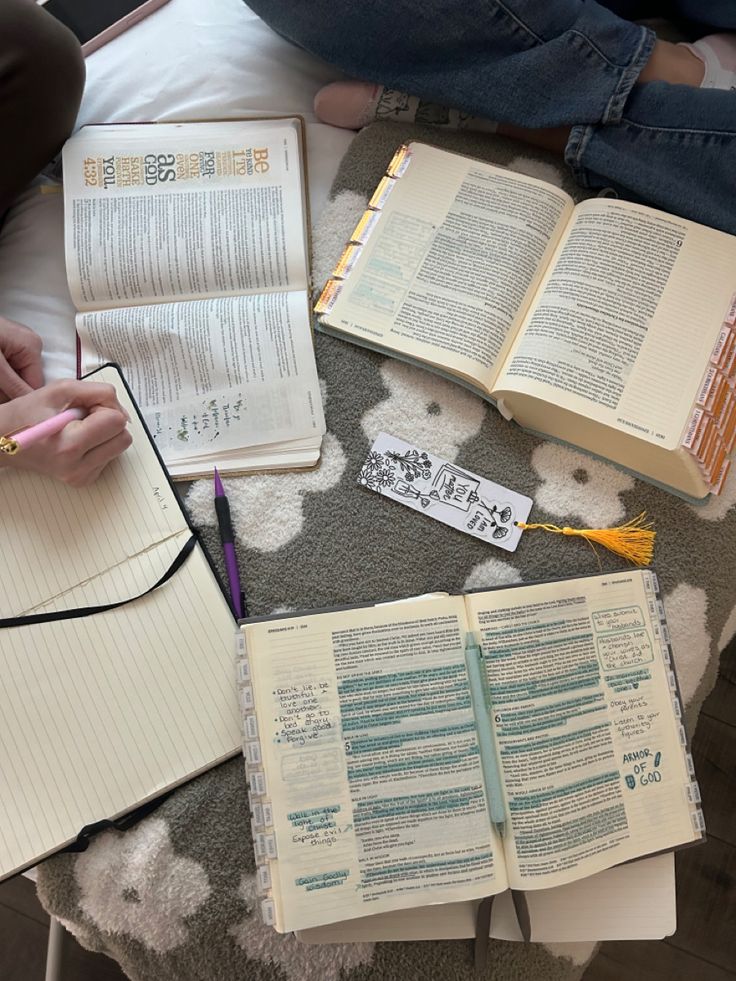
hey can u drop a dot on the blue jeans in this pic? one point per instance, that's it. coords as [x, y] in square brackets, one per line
[545, 63]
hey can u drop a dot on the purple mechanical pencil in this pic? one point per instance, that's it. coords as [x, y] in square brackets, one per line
[228, 547]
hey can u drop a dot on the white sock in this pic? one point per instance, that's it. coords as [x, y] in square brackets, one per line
[400, 107]
[355, 104]
[718, 54]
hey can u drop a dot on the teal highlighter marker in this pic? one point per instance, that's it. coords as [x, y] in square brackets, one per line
[482, 708]
[490, 762]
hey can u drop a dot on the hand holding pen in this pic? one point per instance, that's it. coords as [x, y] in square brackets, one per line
[41, 434]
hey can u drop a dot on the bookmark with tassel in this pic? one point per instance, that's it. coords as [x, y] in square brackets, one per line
[633, 540]
[478, 506]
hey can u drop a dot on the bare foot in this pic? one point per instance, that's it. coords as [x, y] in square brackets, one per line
[674, 63]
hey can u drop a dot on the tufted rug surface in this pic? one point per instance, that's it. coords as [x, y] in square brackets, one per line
[173, 898]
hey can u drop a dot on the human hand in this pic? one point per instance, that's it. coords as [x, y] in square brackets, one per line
[80, 452]
[20, 360]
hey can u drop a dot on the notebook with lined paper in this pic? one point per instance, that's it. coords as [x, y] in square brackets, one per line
[104, 710]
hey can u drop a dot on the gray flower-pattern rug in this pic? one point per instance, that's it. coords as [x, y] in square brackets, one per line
[173, 898]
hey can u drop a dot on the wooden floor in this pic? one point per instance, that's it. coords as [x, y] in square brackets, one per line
[703, 949]
[704, 946]
[24, 931]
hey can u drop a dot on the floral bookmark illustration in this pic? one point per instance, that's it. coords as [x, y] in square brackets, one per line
[446, 492]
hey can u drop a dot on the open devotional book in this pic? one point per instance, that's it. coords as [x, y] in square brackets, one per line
[187, 259]
[607, 325]
[393, 765]
[116, 650]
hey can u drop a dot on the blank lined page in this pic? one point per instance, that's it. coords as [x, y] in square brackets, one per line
[56, 537]
[101, 713]
[104, 712]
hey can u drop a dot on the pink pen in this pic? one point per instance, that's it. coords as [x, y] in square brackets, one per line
[33, 434]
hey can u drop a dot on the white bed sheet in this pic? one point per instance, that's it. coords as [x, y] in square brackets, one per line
[192, 59]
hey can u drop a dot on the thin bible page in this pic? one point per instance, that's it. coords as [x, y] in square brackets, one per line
[625, 320]
[214, 376]
[589, 739]
[371, 761]
[450, 267]
[635, 901]
[169, 211]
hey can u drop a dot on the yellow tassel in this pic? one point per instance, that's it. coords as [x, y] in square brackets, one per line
[634, 540]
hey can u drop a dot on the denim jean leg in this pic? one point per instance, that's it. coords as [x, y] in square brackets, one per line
[533, 63]
[674, 148]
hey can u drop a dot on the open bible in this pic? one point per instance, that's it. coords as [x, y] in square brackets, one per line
[380, 746]
[608, 325]
[187, 259]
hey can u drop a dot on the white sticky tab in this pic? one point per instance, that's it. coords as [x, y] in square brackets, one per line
[269, 843]
[253, 752]
[267, 814]
[682, 735]
[443, 491]
[258, 814]
[677, 708]
[693, 792]
[259, 845]
[690, 765]
[257, 780]
[240, 648]
[268, 912]
[263, 878]
[243, 671]
[671, 680]
[251, 727]
[246, 698]
[698, 820]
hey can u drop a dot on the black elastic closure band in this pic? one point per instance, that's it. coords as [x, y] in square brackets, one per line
[117, 824]
[86, 611]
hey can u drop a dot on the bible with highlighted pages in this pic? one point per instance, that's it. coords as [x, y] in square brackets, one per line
[116, 650]
[376, 738]
[187, 255]
[608, 325]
